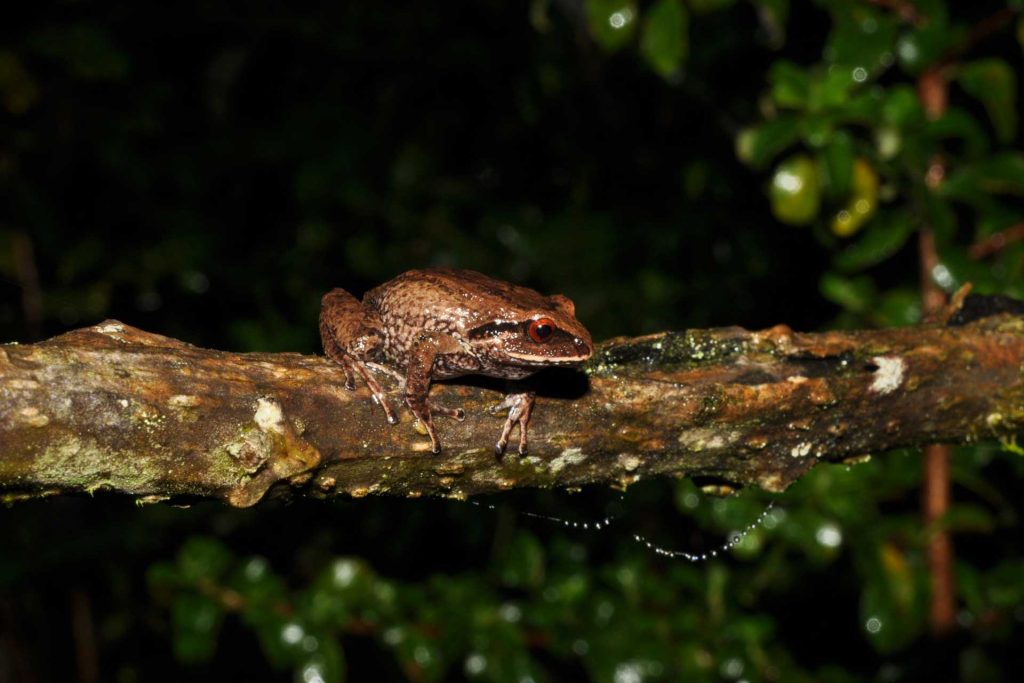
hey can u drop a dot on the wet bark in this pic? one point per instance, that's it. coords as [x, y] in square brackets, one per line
[110, 407]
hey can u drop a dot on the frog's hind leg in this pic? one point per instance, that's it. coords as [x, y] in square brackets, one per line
[349, 339]
[520, 406]
[417, 382]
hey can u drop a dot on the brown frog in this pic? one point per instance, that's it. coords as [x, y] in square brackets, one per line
[440, 323]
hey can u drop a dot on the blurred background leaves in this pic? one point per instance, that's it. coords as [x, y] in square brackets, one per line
[675, 163]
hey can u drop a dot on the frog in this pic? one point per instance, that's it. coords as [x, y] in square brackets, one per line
[441, 323]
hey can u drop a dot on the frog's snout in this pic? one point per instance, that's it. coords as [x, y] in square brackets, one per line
[583, 348]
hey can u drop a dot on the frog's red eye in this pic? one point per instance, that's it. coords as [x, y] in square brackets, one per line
[540, 329]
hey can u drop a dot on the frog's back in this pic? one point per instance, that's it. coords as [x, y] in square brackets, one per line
[449, 300]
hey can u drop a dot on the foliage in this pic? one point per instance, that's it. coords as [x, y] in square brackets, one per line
[666, 163]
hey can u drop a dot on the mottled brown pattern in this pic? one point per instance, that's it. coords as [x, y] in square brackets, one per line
[442, 323]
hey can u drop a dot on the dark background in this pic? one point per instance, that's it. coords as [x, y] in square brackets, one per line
[206, 171]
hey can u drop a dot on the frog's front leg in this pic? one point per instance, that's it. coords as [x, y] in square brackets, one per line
[519, 408]
[350, 336]
[419, 372]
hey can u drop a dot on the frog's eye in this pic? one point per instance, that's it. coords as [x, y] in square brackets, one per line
[540, 329]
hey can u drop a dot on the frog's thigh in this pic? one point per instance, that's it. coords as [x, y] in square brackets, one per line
[346, 327]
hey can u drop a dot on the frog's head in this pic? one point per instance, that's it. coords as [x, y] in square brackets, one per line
[541, 336]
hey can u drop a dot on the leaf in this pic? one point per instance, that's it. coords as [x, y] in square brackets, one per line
[611, 22]
[891, 602]
[789, 83]
[854, 294]
[197, 621]
[883, 238]
[837, 162]
[957, 124]
[994, 84]
[522, 562]
[902, 107]
[758, 146]
[665, 41]
[862, 41]
[898, 308]
[967, 517]
[203, 558]
[1001, 174]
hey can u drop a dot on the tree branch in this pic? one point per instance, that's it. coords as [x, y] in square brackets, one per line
[115, 408]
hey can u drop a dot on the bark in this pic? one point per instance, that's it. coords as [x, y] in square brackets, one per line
[110, 407]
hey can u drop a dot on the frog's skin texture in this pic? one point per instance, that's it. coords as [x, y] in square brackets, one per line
[441, 323]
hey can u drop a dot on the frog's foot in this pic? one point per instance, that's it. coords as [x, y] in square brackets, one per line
[458, 413]
[379, 397]
[421, 410]
[519, 408]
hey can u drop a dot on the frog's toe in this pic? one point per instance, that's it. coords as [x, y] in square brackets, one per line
[458, 413]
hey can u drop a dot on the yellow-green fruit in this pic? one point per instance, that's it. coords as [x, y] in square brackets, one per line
[795, 193]
[863, 201]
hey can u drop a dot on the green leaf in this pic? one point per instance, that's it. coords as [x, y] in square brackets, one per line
[882, 238]
[837, 162]
[994, 84]
[790, 84]
[862, 41]
[924, 44]
[956, 124]
[522, 563]
[203, 558]
[196, 621]
[1001, 174]
[758, 146]
[901, 107]
[854, 294]
[665, 42]
[898, 308]
[611, 22]
[892, 599]
[968, 517]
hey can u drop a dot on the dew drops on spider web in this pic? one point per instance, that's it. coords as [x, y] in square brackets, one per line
[775, 517]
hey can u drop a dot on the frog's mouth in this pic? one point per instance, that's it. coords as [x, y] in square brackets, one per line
[548, 360]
